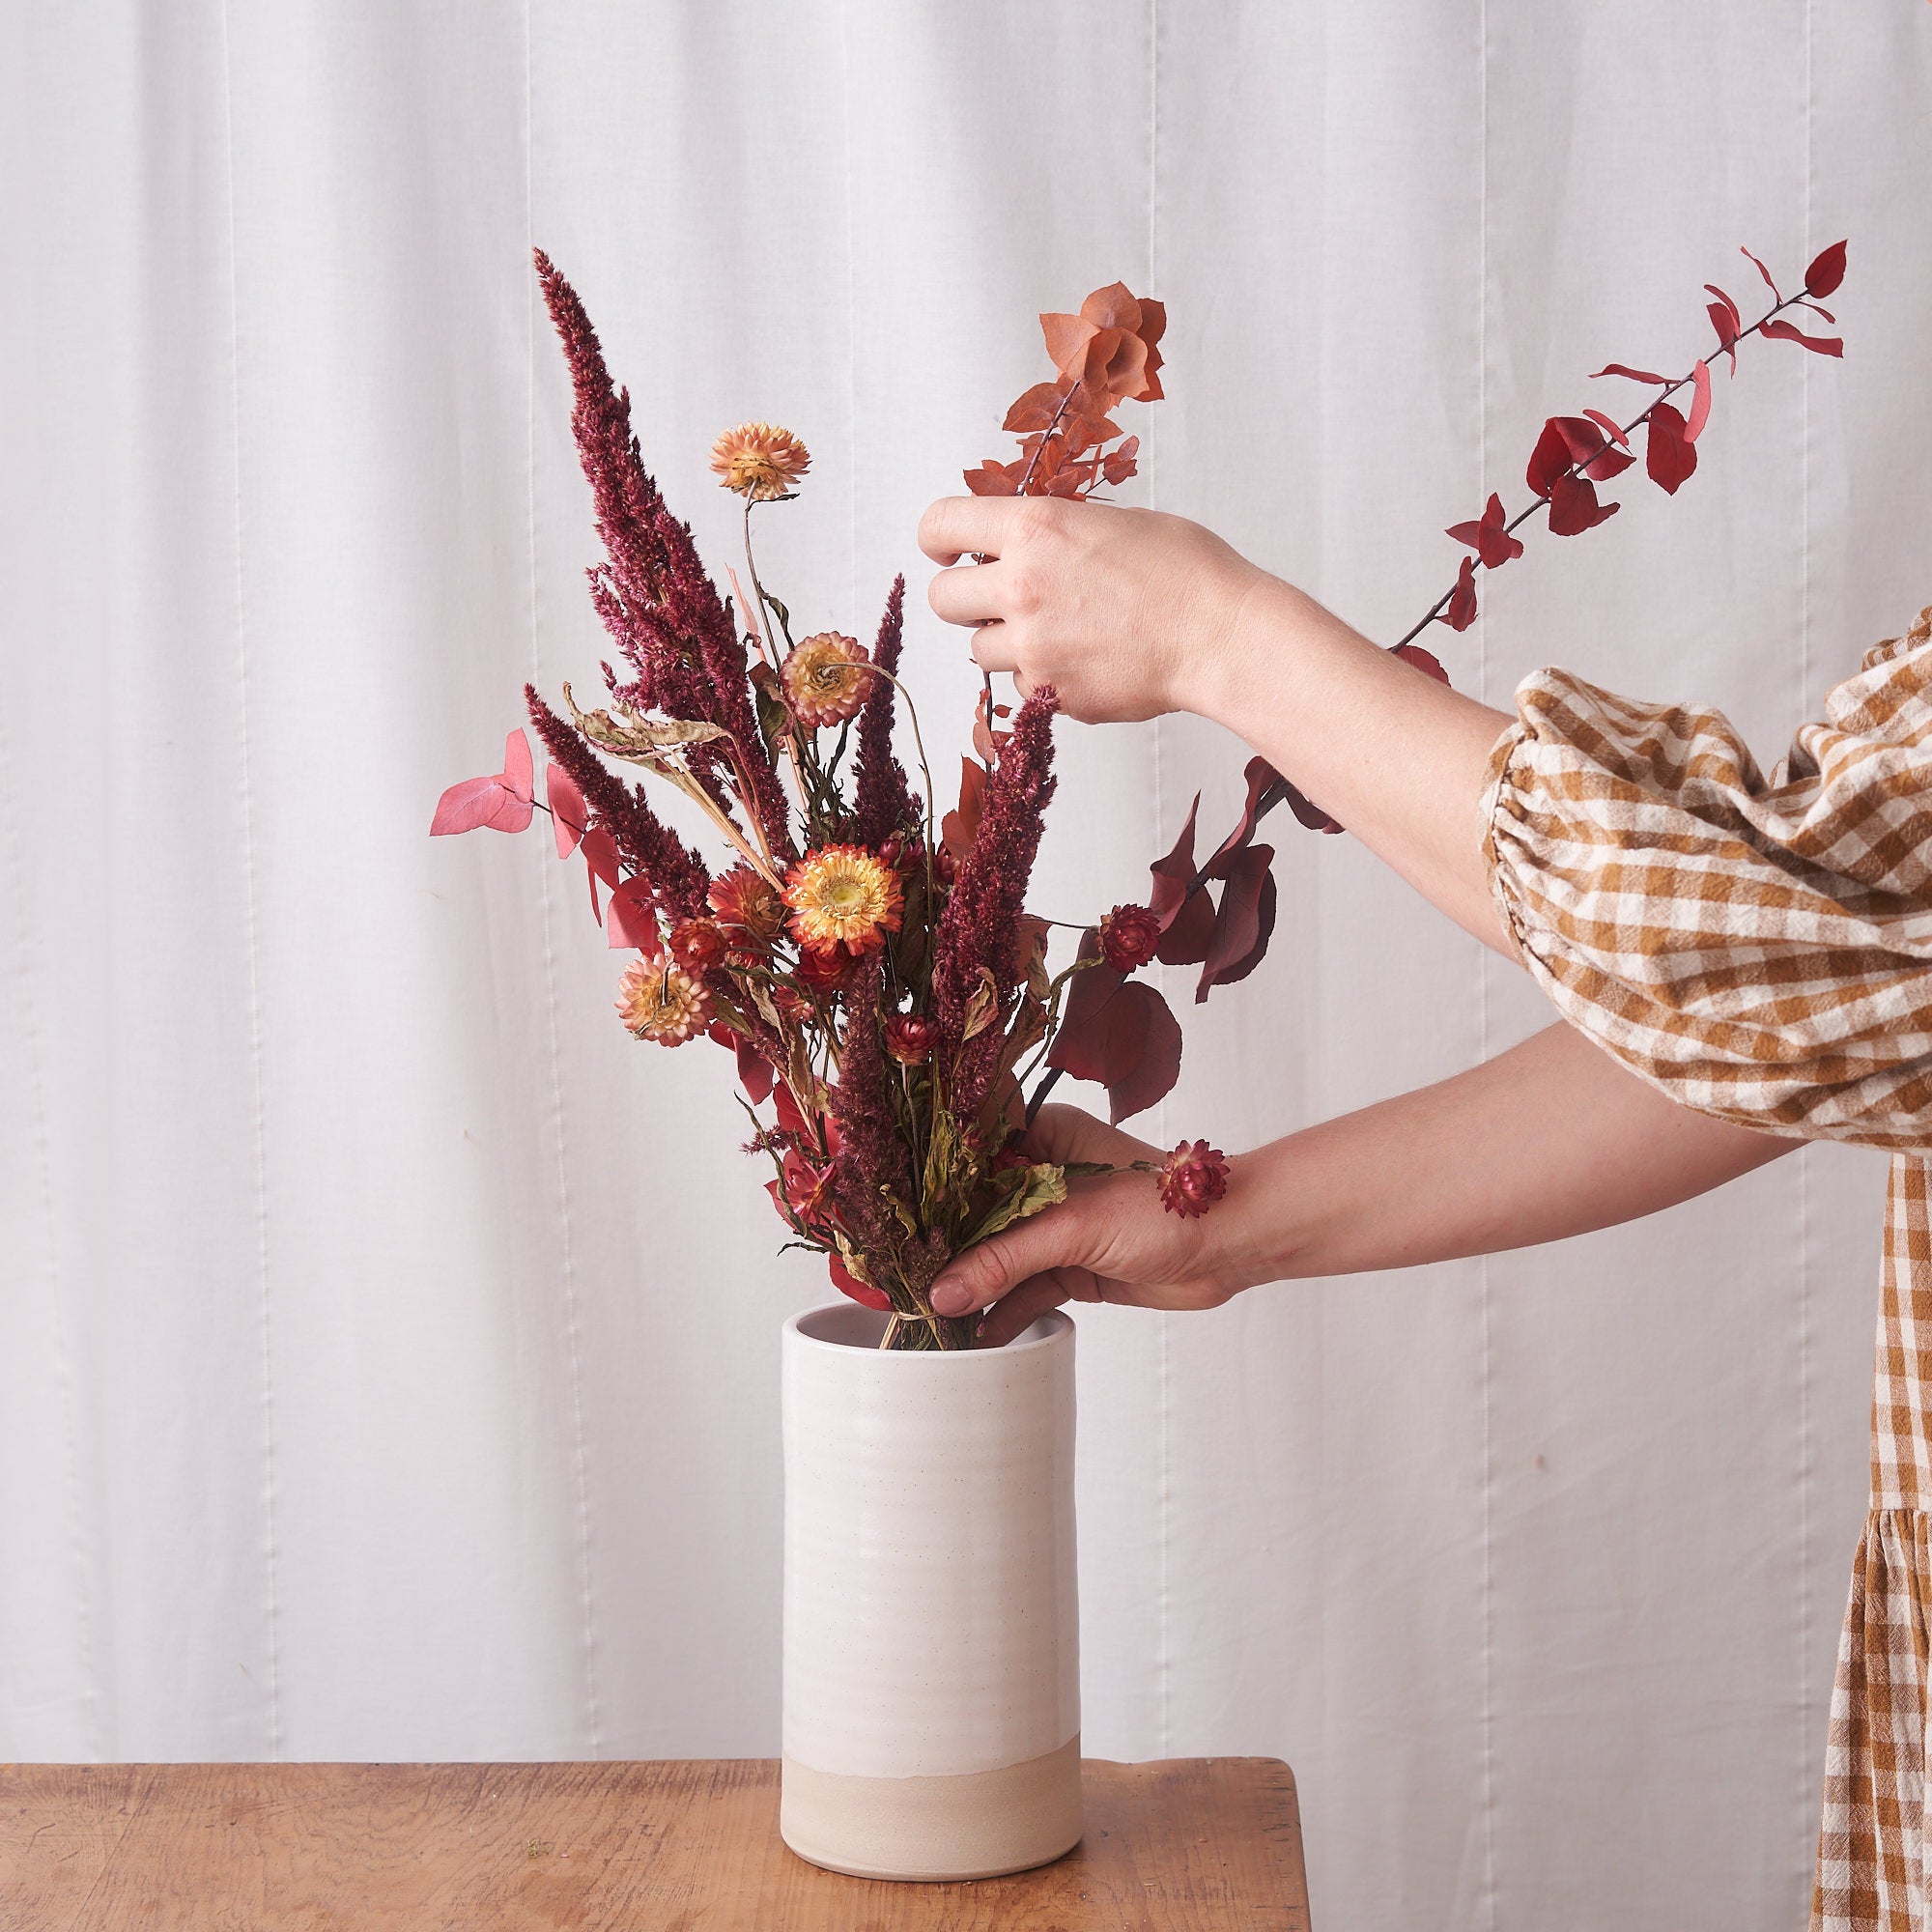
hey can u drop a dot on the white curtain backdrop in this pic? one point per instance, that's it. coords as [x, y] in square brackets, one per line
[389, 1349]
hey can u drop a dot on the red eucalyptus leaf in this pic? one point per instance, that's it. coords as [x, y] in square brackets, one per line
[757, 1074]
[1260, 775]
[1826, 270]
[505, 800]
[1307, 812]
[1609, 426]
[1489, 536]
[791, 1116]
[958, 829]
[1243, 920]
[1173, 873]
[631, 920]
[1762, 271]
[1120, 465]
[994, 479]
[1037, 407]
[1426, 661]
[1732, 312]
[1574, 507]
[1189, 932]
[1819, 345]
[1819, 308]
[1670, 456]
[1727, 332]
[1635, 375]
[1460, 612]
[848, 1282]
[1611, 462]
[1547, 461]
[567, 815]
[1590, 449]
[1700, 402]
[1121, 1033]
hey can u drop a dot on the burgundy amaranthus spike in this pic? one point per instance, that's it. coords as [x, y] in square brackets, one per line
[981, 926]
[883, 803]
[654, 595]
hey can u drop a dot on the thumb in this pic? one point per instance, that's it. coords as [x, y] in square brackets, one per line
[978, 1278]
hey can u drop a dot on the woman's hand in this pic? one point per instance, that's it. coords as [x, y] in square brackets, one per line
[1122, 611]
[1110, 1240]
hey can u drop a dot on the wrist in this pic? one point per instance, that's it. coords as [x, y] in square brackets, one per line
[1237, 1250]
[1269, 647]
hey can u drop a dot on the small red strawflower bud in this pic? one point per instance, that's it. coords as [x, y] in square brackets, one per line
[791, 1004]
[909, 1038]
[1192, 1178]
[1128, 937]
[823, 969]
[698, 945]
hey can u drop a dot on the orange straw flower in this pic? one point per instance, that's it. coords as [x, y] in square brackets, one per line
[759, 460]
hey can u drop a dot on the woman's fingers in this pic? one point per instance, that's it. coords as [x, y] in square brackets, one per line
[1015, 1315]
[957, 526]
[978, 1278]
[969, 593]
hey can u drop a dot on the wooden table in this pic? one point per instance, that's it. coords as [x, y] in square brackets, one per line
[1186, 1845]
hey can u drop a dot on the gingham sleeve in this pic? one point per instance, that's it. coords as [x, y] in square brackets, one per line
[1760, 950]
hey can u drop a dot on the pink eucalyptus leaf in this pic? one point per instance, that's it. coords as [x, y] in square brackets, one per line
[503, 802]
[1610, 426]
[630, 919]
[1700, 402]
[1635, 375]
[568, 817]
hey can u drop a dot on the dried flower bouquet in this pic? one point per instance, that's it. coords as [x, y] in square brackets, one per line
[875, 975]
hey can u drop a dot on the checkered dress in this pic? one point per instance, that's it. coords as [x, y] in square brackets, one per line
[1761, 950]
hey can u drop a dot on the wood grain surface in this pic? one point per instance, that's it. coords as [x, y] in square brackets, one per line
[1178, 1846]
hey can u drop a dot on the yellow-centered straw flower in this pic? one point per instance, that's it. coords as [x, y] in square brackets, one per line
[843, 895]
[759, 460]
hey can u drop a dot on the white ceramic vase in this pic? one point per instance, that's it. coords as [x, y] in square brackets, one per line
[932, 1616]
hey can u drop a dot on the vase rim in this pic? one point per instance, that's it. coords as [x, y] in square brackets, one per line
[864, 1326]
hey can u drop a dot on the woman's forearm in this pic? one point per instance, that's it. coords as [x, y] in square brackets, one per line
[1552, 1139]
[1391, 753]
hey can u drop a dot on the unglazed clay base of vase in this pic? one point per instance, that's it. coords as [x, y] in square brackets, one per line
[981, 1825]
